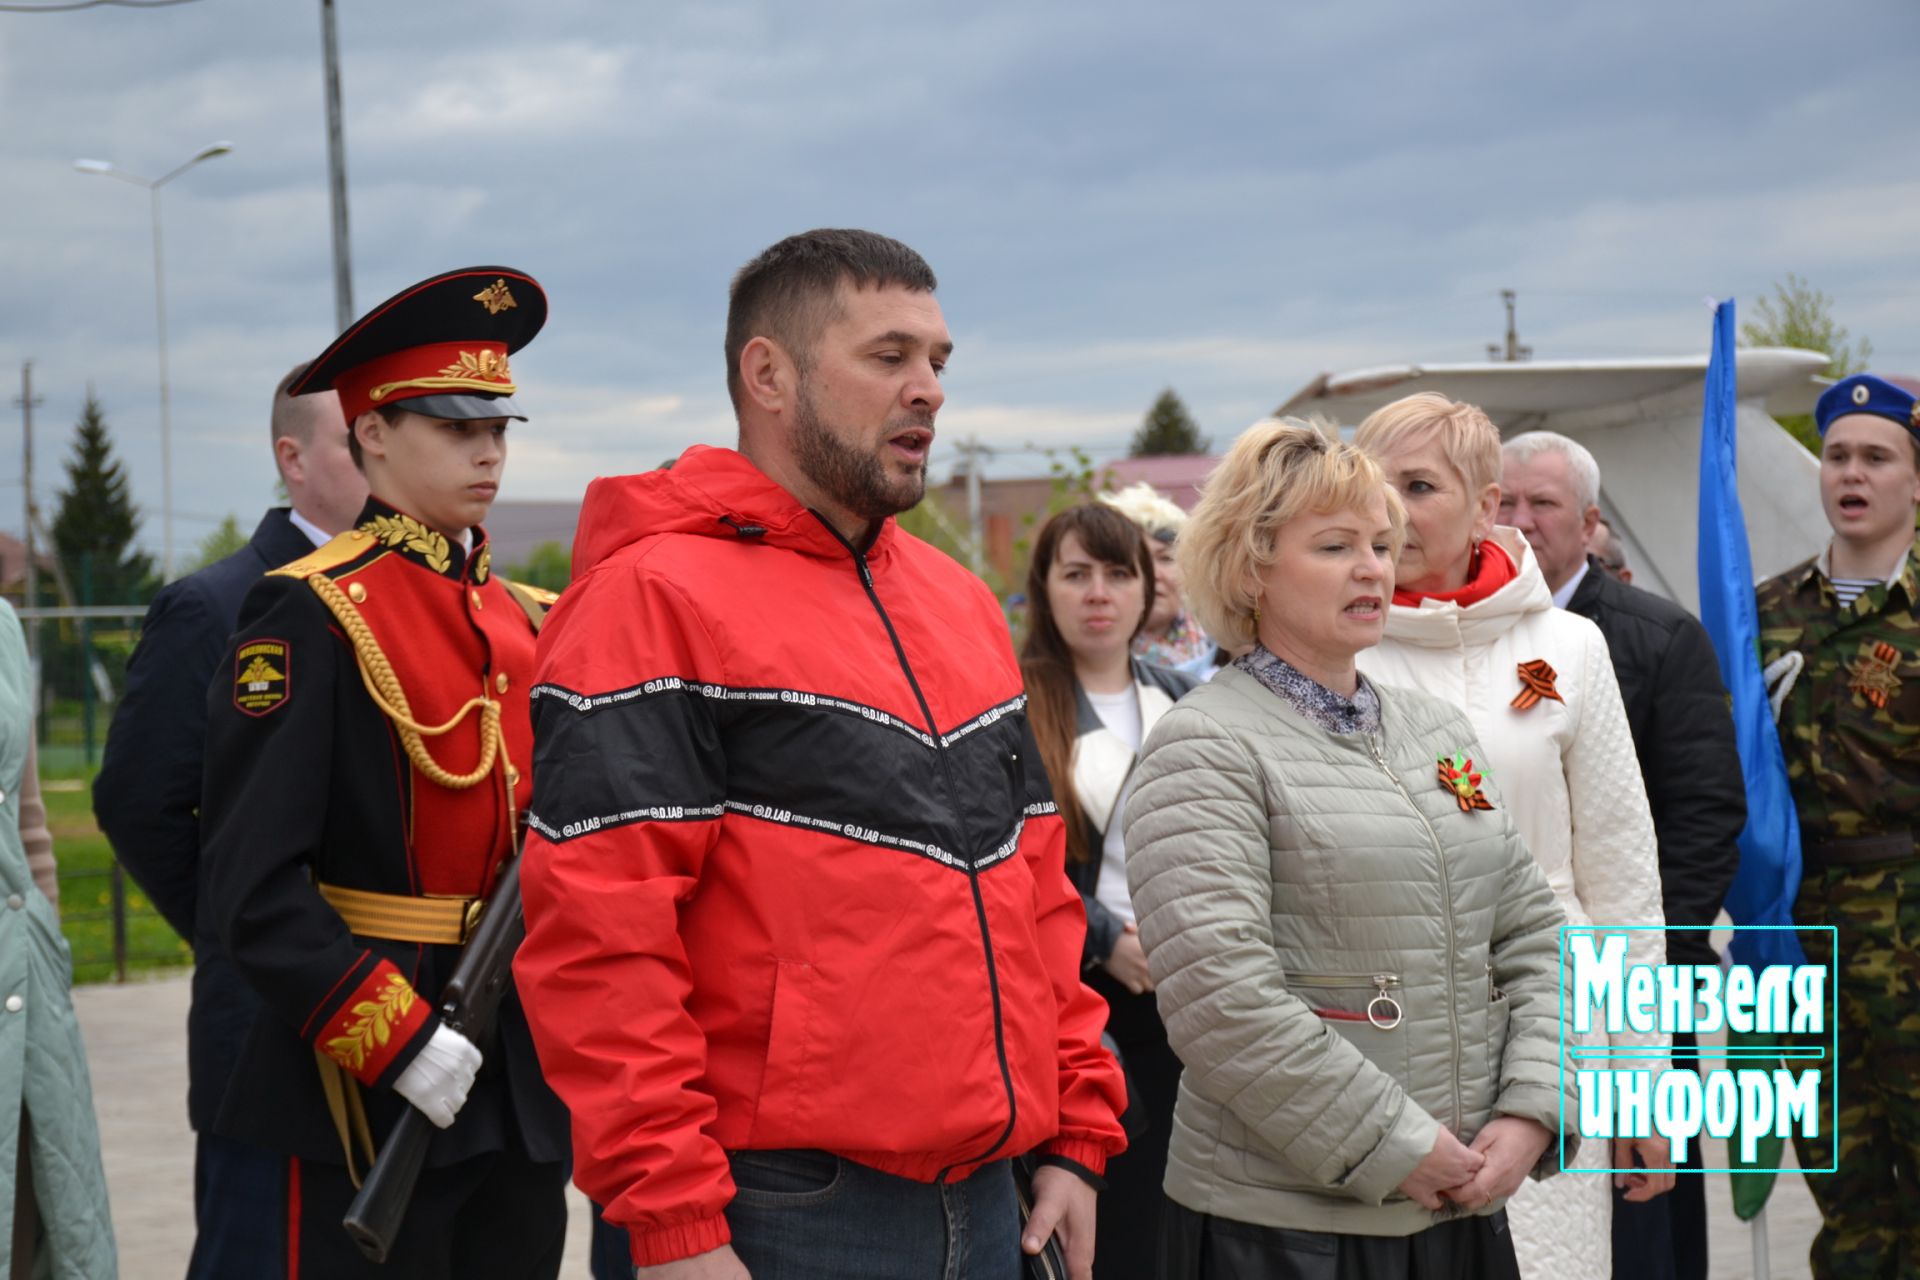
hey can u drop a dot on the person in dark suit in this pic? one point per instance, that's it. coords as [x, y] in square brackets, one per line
[1683, 733]
[147, 800]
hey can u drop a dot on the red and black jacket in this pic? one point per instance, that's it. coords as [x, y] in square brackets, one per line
[795, 878]
[306, 781]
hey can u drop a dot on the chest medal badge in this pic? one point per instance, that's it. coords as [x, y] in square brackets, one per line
[1462, 781]
[1872, 674]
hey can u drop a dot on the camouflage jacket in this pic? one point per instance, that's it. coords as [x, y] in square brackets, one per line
[1850, 726]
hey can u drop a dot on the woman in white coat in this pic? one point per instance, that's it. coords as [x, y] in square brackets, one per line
[1472, 622]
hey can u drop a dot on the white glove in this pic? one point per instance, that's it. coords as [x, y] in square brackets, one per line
[437, 1079]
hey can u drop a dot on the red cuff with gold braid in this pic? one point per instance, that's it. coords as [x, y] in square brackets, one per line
[374, 1024]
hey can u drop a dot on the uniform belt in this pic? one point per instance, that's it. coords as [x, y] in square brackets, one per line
[1861, 851]
[400, 917]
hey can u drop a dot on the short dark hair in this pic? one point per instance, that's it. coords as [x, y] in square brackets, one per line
[787, 293]
[389, 414]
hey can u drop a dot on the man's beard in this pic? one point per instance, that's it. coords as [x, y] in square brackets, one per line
[859, 482]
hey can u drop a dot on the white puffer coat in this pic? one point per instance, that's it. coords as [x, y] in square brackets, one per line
[1286, 878]
[1569, 770]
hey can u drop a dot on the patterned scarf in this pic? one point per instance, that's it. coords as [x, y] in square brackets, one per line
[1184, 642]
[1313, 700]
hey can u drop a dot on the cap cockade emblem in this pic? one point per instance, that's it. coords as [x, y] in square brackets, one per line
[1860, 393]
[485, 364]
[495, 298]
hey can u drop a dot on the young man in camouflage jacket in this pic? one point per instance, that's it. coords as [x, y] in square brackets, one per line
[1849, 723]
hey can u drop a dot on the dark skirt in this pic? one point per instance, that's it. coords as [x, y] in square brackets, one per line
[1127, 1214]
[1199, 1246]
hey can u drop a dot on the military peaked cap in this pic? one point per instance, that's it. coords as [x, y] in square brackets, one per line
[439, 347]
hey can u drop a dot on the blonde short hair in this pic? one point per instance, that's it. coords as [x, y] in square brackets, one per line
[1467, 435]
[1275, 471]
[1141, 503]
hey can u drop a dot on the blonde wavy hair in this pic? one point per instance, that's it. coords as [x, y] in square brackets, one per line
[1467, 435]
[1278, 469]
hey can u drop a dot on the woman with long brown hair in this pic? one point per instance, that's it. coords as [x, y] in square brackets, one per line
[1091, 703]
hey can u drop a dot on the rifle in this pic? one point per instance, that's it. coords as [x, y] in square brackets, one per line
[468, 1004]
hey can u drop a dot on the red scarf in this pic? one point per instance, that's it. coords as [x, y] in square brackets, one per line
[1491, 569]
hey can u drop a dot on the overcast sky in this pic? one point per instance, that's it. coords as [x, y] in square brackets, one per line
[1225, 198]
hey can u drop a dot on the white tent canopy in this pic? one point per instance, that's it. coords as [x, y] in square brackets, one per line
[1641, 419]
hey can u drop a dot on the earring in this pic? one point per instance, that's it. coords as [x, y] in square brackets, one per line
[1256, 615]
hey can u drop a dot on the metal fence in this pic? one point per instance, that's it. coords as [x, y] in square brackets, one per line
[80, 655]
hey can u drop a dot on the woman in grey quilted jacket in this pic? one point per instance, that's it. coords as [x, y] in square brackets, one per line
[1355, 955]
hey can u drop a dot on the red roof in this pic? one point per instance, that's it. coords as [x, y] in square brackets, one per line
[1178, 476]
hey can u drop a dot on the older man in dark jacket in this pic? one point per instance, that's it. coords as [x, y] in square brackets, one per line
[147, 800]
[1683, 733]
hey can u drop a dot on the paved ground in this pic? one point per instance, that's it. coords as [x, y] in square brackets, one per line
[136, 1045]
[136, 1049]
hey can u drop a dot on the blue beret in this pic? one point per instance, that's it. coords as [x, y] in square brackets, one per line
[1864, 393]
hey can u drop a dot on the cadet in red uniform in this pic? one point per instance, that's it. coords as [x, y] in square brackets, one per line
[366, 752]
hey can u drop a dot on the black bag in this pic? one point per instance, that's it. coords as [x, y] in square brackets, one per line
[1051, 1262]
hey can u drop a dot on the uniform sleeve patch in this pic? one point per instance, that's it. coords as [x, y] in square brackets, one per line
[262, 676]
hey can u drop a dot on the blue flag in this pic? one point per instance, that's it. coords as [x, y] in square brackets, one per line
[1769, 876]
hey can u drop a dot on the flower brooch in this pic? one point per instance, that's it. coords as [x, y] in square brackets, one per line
[1536, 682]
[1462, 782]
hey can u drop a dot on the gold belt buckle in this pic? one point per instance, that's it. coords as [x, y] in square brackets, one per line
[471, 920]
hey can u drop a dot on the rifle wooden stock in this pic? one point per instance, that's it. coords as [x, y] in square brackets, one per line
[468, 1004]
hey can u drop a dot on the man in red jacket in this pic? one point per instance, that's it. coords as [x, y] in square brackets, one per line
[802, 957]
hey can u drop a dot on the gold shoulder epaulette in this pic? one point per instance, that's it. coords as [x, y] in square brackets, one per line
[337, 551]
[533, 601]
[539, 595]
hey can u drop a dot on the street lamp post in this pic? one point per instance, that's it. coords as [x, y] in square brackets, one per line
[107, 169]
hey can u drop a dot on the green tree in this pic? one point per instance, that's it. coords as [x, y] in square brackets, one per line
[549, 565]
[1799, 315]
[931, 521]
[95, 523]
[219, 544]
[1167, 429]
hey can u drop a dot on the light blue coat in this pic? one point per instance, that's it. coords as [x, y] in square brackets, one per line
[43, 1065]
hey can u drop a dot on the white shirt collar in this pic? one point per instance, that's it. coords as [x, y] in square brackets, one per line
[1565, 593]
[315, 534]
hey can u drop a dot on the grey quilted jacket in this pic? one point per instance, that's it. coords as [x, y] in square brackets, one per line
[1298, 890]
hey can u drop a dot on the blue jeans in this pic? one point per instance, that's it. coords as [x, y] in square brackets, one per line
[808, 1215]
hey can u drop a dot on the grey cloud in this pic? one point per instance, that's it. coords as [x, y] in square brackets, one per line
[1116, 197]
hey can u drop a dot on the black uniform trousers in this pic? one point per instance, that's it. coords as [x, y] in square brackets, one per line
[496, 1214]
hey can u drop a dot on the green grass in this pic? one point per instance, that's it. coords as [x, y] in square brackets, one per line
[86, 891]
